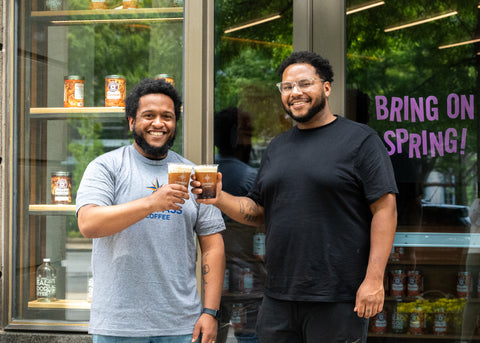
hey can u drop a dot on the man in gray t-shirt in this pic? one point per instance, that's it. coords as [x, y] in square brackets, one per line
[144, 230]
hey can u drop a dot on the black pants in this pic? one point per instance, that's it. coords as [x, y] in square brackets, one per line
[309, 322]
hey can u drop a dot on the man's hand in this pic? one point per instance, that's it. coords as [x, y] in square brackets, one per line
[370, 298]
[196, 189]
[207, 326]
[169, 197]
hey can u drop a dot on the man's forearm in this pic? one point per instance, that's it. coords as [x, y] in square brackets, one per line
[241, 209]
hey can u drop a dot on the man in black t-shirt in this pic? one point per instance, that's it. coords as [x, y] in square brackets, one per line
[326, 193]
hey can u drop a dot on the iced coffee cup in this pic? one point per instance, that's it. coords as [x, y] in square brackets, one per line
[207, 175]
[179, 173]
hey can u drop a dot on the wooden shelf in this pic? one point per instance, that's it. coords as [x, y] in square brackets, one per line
[120, 15]
[120, 11]
[77, 112]
[61, 304]
[47, 209]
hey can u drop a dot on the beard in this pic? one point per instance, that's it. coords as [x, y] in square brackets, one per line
[311, 112]
[154, 152]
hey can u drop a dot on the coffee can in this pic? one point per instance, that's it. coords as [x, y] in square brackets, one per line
[414, 283]
[130, 4]
[61, 188]
[464, 285]
[73, 91]
[166, 77]
[397, 283]
[115, 91]
[98, 5]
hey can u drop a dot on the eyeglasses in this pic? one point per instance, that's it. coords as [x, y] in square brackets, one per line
[286, 87]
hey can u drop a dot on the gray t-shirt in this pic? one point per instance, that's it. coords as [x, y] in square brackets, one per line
[144, 276]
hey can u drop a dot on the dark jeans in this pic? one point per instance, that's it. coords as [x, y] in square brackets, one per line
[309, 322]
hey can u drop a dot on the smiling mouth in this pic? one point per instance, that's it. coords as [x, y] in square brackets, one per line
[157, 134]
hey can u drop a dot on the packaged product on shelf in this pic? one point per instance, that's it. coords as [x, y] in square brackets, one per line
[226, 281]
[130, 3]
[464, 284]
[440, 325]
[397, 254]
[115, 91]
[53, 5]
[98, 5]
[61, 188]
[168, 78]
[418, 321]
[259, 245]
[414, 283]
[239, 316]
[73, 91]
[397, 283]
[399, 318]
[246, 281]
[378, 324]
[46, 282]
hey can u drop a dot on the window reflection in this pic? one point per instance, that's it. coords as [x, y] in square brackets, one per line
[252, 39]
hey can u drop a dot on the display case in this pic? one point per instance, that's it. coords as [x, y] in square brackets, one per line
[62, 126]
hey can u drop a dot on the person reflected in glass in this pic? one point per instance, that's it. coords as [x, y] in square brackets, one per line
[144, 234]
[233, 139]
[325, 191]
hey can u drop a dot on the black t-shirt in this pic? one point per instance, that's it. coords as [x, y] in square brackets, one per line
[316, 186]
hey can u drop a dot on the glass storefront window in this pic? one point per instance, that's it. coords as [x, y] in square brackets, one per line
[251, 39]
[76, 60]
[412, 75]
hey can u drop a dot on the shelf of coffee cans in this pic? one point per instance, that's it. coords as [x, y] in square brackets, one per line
[60, 304]
[48, 209]
[431, 337]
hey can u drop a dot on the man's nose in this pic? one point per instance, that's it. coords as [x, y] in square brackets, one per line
[296, 89]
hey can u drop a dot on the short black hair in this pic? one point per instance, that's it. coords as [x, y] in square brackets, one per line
[151, 86]
[321, 65]
[225, 129]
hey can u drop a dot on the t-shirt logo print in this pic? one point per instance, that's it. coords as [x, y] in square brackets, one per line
[155, 186]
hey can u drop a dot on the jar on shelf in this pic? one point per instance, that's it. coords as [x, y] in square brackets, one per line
[130, 4]
[399, 320]
[98, 5]
[397, 283]
[73, 91]
[226, 282]
[414, 283]
[440, 323]
[61, 188]
[418, 321]
[167, 78]
[53, 5]
[239, 316]
[46, 279]
[378, 324]
[259, 245]
[115, 91]
[464, 284]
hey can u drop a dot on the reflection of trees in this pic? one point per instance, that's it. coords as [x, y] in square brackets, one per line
[246, 62]
[408, 62]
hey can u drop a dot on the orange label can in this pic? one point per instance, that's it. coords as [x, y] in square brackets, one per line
[166, 77]
[61, 188]
[115, 89]
[98, 5]
[73, 91]
[130, 4]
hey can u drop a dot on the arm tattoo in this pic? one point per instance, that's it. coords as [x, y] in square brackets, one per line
[205, 271]
[248, 207]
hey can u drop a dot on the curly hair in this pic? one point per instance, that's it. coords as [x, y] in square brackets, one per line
[321, 65]
[151, 86]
